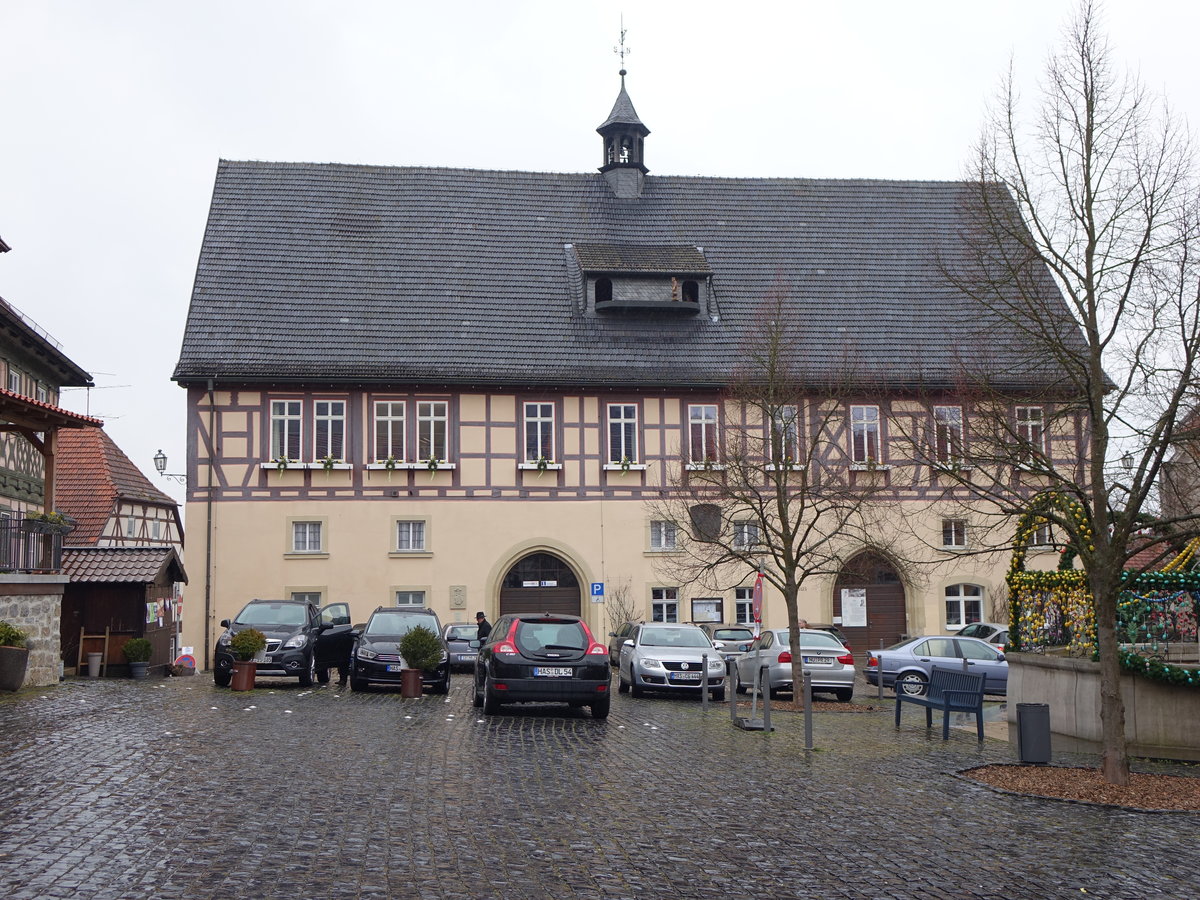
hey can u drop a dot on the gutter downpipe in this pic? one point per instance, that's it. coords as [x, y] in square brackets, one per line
[208, 524]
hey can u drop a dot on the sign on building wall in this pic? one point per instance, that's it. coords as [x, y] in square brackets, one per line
[854, 607]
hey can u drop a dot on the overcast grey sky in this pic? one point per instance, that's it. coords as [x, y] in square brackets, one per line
[115, 113]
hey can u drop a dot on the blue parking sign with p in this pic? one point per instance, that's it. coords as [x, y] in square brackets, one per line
[597, 588]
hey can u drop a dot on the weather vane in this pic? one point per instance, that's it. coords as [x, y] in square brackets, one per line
[621, 50]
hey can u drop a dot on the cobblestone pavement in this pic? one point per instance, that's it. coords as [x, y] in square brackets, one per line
[179, 789]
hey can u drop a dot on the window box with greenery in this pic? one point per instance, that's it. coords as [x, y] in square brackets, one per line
[49, 523]
[14, 657]
[137, 653]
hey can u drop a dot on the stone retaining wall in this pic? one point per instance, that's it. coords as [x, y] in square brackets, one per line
[1161, 720]
[33, 603]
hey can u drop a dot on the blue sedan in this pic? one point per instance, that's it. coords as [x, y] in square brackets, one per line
[907, 665]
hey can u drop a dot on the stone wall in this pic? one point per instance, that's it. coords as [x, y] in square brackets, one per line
[1161, 720]
[33, 603]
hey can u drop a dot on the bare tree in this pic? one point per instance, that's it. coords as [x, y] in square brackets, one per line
[620, 605]
[1091, 202]
[781, 494]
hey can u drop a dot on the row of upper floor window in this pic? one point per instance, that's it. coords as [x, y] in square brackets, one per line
[420, 431]
[19, 382]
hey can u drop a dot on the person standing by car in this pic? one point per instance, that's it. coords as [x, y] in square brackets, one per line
[485, 627]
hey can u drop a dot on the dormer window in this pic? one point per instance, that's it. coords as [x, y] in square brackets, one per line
[628, 277]
[604, 292]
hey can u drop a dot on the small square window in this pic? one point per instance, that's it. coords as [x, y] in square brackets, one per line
[664, 604]
[662, 535]
[410, 536]
[743, 601]
[745, 535]
[306, 537]
[410, 598]
[954, 533]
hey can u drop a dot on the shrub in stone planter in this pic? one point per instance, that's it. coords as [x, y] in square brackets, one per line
[421, 648]
[248, 643]
[14, 657]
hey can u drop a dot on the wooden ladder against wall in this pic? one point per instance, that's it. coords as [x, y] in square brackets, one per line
[93, 637]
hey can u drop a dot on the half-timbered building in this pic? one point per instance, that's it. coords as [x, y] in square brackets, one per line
[465, 389]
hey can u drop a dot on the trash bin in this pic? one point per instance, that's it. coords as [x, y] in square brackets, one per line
[94, 664]
[1033, 732]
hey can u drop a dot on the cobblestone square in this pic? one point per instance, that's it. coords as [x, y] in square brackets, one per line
[178, 789]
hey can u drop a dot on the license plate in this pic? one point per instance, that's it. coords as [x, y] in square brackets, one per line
[818, 660]
[394, 668]
[552, 672]
[685, 676]
[467, 657]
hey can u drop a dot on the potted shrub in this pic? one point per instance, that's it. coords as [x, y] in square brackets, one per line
[49, 523]
[138, 652]
[14, 657]
[421, 649]
[246, 644]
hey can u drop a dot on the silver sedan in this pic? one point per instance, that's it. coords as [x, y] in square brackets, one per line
[661, 657]
[831, 664]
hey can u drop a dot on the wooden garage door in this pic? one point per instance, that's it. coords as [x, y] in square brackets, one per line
[541, 582]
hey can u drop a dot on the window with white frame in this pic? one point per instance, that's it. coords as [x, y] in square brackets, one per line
[539, 432]
[43, 394]
[864, 434]
[306, 537]
[702, 433]
[390, 423]
[964, 605]
[433, 419]
[313, 597]
[954, 533]
[14, 380]
[743, 605]
[948, 434]
[745, 535]
[785, 436]
[1031, 435]
[664, 604]
[1043, 536]
[410, 536]
[329, 429]
[286, 416]
[622, 433]
[662, 535]
[410, 598]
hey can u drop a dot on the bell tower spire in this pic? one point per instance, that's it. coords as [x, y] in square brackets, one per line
[623, 133]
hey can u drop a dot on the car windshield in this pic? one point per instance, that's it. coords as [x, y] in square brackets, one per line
[536, 636]
[821, 640]
[272, 614]
[674, 637]
[398, 623]
[462, 632]
[733, 634]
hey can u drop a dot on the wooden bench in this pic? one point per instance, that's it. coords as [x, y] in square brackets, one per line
[950, 690]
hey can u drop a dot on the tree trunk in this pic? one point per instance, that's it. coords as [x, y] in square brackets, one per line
[1114, 761]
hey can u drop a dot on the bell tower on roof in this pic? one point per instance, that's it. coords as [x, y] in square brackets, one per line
[623, 133]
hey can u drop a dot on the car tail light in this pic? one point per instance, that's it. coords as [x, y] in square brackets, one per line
[785, 657]
[597, 650]
[506, 647]
[846, 659]
[872, 660]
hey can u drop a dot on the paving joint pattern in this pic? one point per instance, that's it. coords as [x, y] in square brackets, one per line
[179, 789]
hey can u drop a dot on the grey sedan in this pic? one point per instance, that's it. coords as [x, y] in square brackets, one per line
[831, 664]
[659, 657]
[458, 637]
[906, 665]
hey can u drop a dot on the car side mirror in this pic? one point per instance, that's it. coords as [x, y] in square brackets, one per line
[719, 645]
[224, 623]
[628, 642]
[1000, 654]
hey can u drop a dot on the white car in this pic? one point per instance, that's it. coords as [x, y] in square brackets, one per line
[661, 657]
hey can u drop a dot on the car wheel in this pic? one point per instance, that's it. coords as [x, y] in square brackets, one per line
[222, 678]
[309, 675]
[912, 683]
[476, 694]
[845, 695]
[323, 675]
[634, 688]
[600, 708]
[622, 684]
[358, 684]
[491, 705]
[738, 687]
[444, 687]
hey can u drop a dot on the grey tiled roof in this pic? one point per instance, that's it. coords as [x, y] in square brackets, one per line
[623, 112]
[370, 274]
[638, 258]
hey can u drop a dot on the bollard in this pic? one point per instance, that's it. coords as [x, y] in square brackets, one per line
[808, 741]
[764, 675]
[704, 682]
[879, 672]
[733, 716]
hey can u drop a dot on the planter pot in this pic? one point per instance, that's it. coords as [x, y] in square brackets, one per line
[410, 683]
[137, 670]
[93, 664]
[13, 662]
[243, 675]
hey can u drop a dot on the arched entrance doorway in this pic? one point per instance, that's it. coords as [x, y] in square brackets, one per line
[869, 598]
[540, 582]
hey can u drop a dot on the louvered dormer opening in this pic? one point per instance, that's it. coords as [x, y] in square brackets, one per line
[627, 278]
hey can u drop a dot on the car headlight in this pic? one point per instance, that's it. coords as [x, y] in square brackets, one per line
[651, 663]
[366, 653]
[224, 639]
[717, 663]
[445, 656]
[298, 640]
